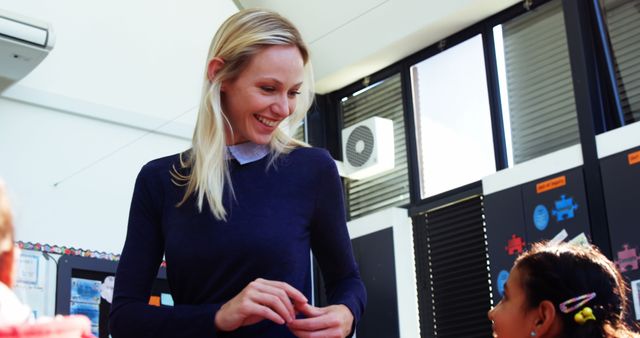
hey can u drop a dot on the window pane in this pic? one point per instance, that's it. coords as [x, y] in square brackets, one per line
[453, 124]
[536, 78]
[623, 23]
[300, 132]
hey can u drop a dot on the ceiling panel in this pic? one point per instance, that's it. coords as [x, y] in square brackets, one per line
[352, 39]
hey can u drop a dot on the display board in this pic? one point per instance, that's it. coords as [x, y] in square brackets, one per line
[553, 207]
[621, 185]
[85, 286]
[35, 283]
[556, 205]
[504, 215]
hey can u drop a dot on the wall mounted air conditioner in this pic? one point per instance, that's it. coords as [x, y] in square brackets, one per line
[24, 43]
[367, 149]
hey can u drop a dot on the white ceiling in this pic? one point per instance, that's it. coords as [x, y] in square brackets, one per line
[141, 62]
[352, 39]
[138, 63]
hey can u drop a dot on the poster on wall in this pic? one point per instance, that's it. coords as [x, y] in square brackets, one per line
[35, 282]
[555, 207]
[505, 234]
[621, 185]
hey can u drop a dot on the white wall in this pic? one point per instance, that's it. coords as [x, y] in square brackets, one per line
[85, 117]
[406, 285]
[144, 56]
[95, 162]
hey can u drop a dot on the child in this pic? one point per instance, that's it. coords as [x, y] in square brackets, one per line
[12, 311]
[562, 290]
[16, 320]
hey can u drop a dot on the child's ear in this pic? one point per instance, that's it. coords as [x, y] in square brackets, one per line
[547, 320]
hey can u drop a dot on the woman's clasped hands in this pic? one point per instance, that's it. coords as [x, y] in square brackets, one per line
[279, 302]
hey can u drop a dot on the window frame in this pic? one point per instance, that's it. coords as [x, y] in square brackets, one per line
[596, 113]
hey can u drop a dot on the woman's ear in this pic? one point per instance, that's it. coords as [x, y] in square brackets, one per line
[548, 324]
[214, 66]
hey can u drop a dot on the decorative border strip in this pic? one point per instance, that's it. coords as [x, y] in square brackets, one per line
[63, 250]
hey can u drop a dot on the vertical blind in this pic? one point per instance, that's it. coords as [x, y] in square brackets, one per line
[452, 270]
[539, 84]
[382, 99]
[623, 22]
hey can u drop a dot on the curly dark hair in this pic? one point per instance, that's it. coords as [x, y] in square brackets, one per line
[558, 272]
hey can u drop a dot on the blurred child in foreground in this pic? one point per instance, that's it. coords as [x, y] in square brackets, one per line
[16, 319]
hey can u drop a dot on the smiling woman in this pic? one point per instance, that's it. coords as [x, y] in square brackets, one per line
[236, 215]
[263, 95]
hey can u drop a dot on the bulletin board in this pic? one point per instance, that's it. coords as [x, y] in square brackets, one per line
[553, 207]
[35, 283]
[621, 185]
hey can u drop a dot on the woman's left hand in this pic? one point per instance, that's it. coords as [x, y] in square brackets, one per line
[331, 321]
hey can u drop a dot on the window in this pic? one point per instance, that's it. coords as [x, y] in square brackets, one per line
[623, 23]
[535, 83]
[453, 121]
[382, 99]
[299, 133]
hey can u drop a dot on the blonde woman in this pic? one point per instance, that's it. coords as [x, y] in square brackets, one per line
[236, 215]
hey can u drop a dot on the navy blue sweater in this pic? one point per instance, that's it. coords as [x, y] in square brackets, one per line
[279, 213]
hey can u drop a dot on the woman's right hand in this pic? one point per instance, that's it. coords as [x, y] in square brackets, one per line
[261, 299]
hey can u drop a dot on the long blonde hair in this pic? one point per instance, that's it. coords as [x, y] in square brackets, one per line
[240, 37]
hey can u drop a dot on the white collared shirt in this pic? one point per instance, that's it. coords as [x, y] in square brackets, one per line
[248, 152]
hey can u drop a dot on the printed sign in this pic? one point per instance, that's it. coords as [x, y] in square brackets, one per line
[634, 157]
[551, 184]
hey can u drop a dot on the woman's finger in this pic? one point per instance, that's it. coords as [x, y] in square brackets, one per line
[274, 303]
[277, 292]
[259, 300]
[292, 292]
[326, 333]
[314, 323]
[262, 311]
[310, 334]
[309, 310]
[332, 321]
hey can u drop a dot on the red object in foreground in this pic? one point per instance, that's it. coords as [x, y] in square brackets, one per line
[74, 326]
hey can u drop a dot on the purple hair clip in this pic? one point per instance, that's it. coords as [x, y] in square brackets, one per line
[572, 304]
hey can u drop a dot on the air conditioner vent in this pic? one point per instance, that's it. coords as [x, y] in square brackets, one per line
[24, 43]
[368, 148]
[22, 32]
[359, 146]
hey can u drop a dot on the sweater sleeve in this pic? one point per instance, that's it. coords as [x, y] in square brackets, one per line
[331, 244]
[131, 315]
